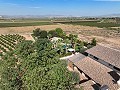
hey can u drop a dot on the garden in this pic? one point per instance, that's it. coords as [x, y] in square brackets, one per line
[64, 44]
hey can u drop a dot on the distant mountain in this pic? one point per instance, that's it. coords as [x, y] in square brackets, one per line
[32, 16]
[111, 15]
[54, 16]
[1, 16]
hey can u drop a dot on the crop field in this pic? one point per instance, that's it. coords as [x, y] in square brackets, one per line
[35, 22]
[92, 23]
[19, 24]
[8, 43]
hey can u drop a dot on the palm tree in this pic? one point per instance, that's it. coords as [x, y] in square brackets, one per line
[49, 36]
[66, 42]
[60, 48]
[74, 40]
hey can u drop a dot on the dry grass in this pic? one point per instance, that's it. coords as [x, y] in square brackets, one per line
[29, 29]
[109, 37]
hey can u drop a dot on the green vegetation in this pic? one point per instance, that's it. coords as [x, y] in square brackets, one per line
[19, 24]
[8, 42]
[35, 66]
[94, 42]
[62, 42]
[58, 32]
[93, 23]
[40, 33]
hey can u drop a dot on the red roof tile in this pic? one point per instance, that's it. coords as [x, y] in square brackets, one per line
[107, 54]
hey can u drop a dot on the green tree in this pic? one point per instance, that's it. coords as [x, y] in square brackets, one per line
[10, 74]
[60, 32]
[93, 42]
[43, 34]
[74, 39]
[81, 44]
[49, 36]
[53, 33]
[40, 33]
[60, 49]
[66, 42]
[35, 66]
[24, 49]
[36, 32]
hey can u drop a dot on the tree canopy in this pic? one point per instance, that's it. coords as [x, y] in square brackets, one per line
[35, 66]
[40, 33]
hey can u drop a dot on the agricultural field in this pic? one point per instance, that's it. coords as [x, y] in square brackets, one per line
[86, 29]
[21, 24]
[92, 24]
[9, 42]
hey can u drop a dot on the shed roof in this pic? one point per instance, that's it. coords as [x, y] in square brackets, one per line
[76, 57]
[56, 38]
[107, 54]
[98, 72]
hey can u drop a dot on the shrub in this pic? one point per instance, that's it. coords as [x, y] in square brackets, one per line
[93, 42]
[59, 32]
[36, 32]
[1, 54]
[89, 46]
[53, 33]
[67, 54]
[43, 34]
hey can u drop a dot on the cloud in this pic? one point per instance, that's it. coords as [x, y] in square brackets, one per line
[13, 4]
[18, 5]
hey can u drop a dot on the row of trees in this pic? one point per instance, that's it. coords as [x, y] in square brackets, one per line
[58, 32]
[8, 42]
[35, 66]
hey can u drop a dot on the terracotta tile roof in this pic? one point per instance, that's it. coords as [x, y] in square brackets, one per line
[98, 72]
[107, 54]
[76, 57]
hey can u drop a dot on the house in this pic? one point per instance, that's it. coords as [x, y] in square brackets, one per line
[108, 56]
[55, 39]
[101, 65]
[74, 59]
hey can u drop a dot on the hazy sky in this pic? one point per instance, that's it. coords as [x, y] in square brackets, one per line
[59, 7]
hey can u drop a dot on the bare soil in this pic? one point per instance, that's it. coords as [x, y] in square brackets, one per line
[28, 36]
[29, 29]
[107, 37]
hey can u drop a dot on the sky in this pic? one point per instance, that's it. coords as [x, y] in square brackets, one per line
[60, 7]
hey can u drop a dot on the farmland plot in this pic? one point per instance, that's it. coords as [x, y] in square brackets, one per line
[8, 43]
